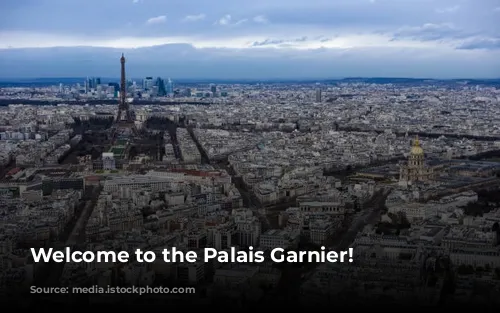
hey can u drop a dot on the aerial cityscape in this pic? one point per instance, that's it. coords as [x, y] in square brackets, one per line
[403, 171]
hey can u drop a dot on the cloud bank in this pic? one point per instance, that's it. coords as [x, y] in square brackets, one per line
[443, 37]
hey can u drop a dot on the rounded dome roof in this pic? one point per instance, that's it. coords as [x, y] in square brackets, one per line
[416, 149]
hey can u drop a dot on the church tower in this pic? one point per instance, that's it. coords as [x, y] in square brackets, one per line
[416, 169]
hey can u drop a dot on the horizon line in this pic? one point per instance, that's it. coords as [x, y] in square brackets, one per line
[9, 79]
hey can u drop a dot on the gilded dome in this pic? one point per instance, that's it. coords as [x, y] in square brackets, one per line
[416, 149]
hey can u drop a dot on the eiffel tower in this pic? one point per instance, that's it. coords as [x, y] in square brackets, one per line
[124, 122]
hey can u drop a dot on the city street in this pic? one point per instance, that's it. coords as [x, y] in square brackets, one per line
[77, 235]
[369, 216]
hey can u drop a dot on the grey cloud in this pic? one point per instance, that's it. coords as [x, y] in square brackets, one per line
[432, 32]
[323, 38]
[486, 43]
[284, 16]
[468, 40]
[186, 62]
[280, 42]
[267, 42]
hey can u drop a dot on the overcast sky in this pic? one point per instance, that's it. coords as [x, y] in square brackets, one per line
[251, 38]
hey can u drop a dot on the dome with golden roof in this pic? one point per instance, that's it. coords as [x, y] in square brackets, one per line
[416, 149]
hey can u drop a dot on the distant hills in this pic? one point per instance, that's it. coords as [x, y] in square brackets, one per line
[421, 81]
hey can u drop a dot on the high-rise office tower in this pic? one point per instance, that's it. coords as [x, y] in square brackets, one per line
[115, 86]
[160, 83]
[116, 89]
[147, 83]
[170, 88]
[91, 83]
[318, 93]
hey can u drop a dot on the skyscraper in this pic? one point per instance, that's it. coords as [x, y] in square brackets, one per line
[318, 93]
[170, 88]
[160, 83]
[116, 88]
[147, 83]
[91, 83]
